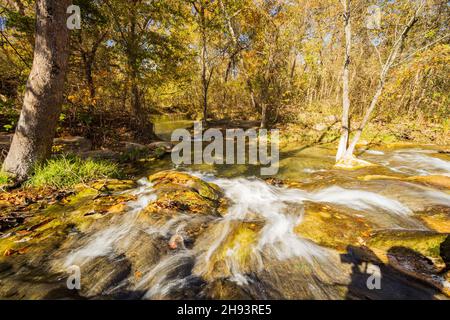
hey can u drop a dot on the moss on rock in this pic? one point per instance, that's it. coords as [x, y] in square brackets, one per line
[49, 227]
[426, 243]
[181, 192]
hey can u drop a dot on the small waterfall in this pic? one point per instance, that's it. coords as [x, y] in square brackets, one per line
[103, 242]
[281, 209]
[262, 218]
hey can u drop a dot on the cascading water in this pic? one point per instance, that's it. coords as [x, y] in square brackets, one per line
[412, 161]
[277, 210]
[102, 243]
[255, 249]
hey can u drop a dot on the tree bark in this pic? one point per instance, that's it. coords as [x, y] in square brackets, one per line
[345, 129]
[263, 124]
[36, 128]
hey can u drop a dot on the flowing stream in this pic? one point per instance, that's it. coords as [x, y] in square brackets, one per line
[315, 271]
[255, 250]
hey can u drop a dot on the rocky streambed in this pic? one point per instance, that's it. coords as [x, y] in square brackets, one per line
[312, 232]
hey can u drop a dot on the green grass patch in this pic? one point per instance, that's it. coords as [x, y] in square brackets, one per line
[5, 179]
[65, 172]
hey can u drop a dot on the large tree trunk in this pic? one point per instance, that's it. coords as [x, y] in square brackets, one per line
[345, 130]
[36, 128]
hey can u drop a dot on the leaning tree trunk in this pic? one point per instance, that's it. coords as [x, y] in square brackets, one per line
[383, 76]
[345, 126]
[36, 128]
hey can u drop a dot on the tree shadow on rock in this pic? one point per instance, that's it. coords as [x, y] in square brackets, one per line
[371, 279]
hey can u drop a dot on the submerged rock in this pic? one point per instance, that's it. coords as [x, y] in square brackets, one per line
[435, 181]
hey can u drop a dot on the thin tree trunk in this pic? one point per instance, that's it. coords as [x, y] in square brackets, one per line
[240, 58]
[36, 128]
[383, 75]
[204, 65]
[263, 124]
[144, 127]
[88, 58]
[88, 62]
[345, 129]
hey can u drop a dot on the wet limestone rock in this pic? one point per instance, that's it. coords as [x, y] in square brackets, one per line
[112, 185]
[233, 255]
[426, 243]
[225, 289]
[442, 182]
[352, 163]
[435, 181]
[48, 228]
[331, 228]
[181, 192]
[437, 218]
[162, 145]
